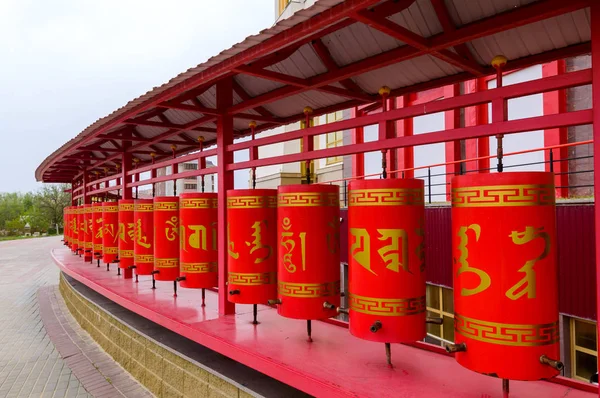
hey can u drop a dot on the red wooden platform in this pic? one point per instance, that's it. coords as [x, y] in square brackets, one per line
[335, 364]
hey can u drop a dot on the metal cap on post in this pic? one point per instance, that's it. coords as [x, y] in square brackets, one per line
[384, 92]
[498, 63]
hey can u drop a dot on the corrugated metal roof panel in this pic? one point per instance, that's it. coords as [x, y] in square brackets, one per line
[294, 104]
[304, 63]
[419, 18]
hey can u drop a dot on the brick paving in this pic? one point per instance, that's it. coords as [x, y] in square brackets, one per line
[43, 351]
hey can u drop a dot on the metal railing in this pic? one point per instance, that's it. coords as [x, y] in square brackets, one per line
[429, 177]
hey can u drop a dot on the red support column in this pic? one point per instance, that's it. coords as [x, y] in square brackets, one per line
[85, 180]
[595, 24]
[452, 121]
[224, 158]
[404, 128]
[556, 102]
[475, 116]
[358, 137]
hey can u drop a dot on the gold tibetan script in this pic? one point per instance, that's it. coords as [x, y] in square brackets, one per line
[172, 228]
[231, 246]
[394, 254]
[99, 231]
[109, 230]
[140, 238]
[198, 238]
[289, 243]
[527, 286]
[484, 278]
[126, 232]
[257, 243]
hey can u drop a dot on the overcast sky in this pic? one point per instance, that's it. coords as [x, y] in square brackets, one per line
[66, 63]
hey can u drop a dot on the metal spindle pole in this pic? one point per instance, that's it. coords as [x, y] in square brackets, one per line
[429, 183]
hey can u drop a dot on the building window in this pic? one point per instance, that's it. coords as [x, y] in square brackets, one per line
[336, 138]
[190, 166]
[584, 351]
[440, 304]
[283, 5]
[190, 186]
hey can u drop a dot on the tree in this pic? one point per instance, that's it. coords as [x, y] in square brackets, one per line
[48, 205]
[11, 207]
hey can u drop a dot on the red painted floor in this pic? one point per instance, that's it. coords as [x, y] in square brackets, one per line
[335, 364]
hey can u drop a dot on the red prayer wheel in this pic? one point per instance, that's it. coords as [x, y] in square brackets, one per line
[386, 281]
[505, 274]
[110, 221]
[87, 232]
[97, 229]
[166, 238]
[252, 243]
[65, 223]
[198, 244]
[143, 249]
[75, 229]
[126, 233]
[76, 226]
[308, 229]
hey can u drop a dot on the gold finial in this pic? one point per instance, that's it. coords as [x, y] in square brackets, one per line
[153, 154]
[384, 90]
[173, 147]
[136, 160]
[106, 170]
[499, 61]
[308, 110]
[252, 124]
[117, 166]
[200, 138]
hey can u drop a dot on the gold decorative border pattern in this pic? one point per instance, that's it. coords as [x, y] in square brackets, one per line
[98, 247]
[88, 245]
[166, 263]
[248, 279]
[110, 250]
[308, 199]
[143, 207]
[126, 206]
[387, 197]
[198, 203]
[251, 202]
[387, 306]
[514, 335]
[125, 253]
[110, 209]
[88, 210]
[144, 258]
[166, 206]
[199, 268]
[308, 290]
[503, 195]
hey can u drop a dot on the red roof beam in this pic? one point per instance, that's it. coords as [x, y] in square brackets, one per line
[302, 83]
[446, 21]
[178, 127]
[398, 32]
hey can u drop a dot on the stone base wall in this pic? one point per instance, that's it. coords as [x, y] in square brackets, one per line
[161, 370]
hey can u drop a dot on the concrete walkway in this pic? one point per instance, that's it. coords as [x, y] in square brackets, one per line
[30, 364]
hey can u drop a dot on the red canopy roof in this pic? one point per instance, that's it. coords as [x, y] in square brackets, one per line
[333, 55]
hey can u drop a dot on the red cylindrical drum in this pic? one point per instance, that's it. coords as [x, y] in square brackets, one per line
[505, 273]
[166, 238]
[97, 229]
[252, 242]
[76, 227]
[65, 223]
[308, 230]
[126, 233]
[198, 245]
[73, 228]
[387, 260]
[143, 249]
[87, 232]
[110, 221]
